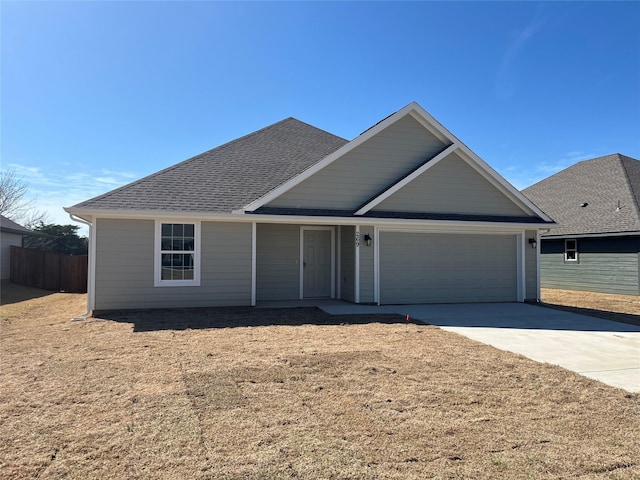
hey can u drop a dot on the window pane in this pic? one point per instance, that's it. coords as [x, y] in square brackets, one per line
[177, 244]
[166, 267]
[177, 237]
[571, 255]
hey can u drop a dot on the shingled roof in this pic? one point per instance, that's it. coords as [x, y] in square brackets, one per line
[9, 226]
[227, 177]
[597, 196]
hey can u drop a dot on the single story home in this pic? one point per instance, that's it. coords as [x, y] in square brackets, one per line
[403, 213]
[11, 234]
[596, 244]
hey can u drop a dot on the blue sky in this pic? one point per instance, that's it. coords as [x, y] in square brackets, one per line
[97, 94]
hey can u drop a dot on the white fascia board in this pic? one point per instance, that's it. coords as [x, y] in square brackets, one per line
[430, 123]
[485, 168]
[302, 219]
[547, 236]
[359, 140]
[409, 178]
[499, 181]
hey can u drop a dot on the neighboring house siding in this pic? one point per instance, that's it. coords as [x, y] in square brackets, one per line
[385, 158]
[607, 265]
[366, 267]
[6, 241]
[347, 263]
[278, 262]
[530, 267]
[451, 186]
[124, 267]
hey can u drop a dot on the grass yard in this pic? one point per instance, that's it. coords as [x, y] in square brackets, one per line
[279, 394]
[621, 308]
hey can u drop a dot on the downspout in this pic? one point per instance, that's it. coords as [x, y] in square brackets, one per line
[84, 316]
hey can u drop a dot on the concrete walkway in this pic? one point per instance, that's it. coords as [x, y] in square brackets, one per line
[600, 349]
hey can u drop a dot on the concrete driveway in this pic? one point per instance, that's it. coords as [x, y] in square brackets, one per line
[600, 349]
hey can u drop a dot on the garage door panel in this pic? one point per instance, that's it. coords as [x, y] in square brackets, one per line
[444, 268]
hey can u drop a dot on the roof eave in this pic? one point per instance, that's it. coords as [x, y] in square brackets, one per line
[549, 236]
[296, 219]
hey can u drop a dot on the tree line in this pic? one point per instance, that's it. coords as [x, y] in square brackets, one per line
[49, 237]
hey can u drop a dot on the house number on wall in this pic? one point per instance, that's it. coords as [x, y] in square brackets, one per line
[357, 239]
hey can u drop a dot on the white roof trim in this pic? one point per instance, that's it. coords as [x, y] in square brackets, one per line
[484, 168]
[433, 126]
[551, 236]
[298, 219]
[409, 178]
[499, 181]
[359, 140]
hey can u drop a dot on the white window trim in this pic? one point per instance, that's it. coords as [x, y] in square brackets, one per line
[157, 262]
[571, 260]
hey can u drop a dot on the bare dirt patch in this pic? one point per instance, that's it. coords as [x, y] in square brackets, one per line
[291, 394]
[620, 308]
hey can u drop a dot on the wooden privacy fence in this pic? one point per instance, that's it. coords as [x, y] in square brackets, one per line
[49, 271]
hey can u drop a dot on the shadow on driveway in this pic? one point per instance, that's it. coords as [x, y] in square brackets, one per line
[613, 316]
[514, 316]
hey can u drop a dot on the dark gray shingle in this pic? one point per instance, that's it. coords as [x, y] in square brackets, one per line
[602, 183]
[9, 226]
[227, 177]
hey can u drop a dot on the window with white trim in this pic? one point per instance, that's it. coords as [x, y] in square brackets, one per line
[571, 250]
[177, 255]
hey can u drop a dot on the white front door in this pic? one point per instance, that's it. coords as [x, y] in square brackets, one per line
[317, 260]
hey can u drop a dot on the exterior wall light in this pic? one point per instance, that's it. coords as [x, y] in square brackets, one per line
[533, 242]
[367, 240]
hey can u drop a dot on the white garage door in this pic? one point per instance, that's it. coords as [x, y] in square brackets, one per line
[447, 268]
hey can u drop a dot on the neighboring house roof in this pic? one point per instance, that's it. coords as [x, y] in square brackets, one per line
[256, 173]
[9, 226]
[227, 177]
[609, 189]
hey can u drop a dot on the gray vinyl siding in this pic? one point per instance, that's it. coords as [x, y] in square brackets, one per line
[606, 265]
[347, 263]
[530, 267]
[451, 186]
[366, 267]
[6, 241]
[366, 170]
[125, 267]
[447, 268]
[278, 262]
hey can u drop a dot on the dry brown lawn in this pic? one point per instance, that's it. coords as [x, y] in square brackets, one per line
[621, 308]
[279, 394]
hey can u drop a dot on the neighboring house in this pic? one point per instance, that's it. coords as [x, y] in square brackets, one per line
[404, 213]
[596, 245]
[10, 234]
